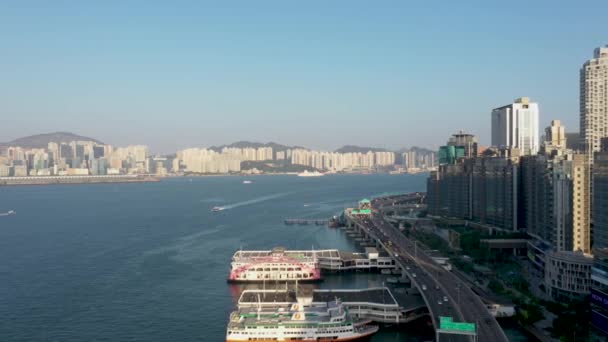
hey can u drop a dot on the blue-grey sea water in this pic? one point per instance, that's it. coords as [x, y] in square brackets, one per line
[149, 261]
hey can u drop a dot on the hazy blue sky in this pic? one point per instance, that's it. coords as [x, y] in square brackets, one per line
[174, 74]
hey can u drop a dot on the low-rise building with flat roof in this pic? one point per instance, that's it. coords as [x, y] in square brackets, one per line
[568, 275]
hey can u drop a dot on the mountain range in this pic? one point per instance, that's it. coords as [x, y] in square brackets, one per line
[344, 149]
[359, 149]
[416, 149]
[244, 144]
[42, 140]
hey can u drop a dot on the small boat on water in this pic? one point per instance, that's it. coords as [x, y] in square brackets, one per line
[310, 174]
[247, 182]
[10, 212]
[217, 209]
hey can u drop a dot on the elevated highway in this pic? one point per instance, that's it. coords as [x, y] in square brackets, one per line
[444, 293]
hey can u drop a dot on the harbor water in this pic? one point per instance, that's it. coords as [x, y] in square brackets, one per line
[149, 261]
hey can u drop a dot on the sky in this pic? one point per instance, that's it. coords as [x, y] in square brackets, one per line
[322, 74]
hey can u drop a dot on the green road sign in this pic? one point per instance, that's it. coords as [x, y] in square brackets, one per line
[446, 323]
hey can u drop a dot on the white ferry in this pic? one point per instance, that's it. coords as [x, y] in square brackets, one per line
[252, 266]
[310, 174]
[298, 322]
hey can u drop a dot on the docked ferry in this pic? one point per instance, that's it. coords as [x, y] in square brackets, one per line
[296, 322]
[262, 266]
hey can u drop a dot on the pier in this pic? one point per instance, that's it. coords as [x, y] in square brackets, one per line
[377, 304]
[330, 260]
[304, 221]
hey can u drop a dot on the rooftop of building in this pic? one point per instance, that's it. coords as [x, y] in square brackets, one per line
[600, 52]
[570, 256]
[519, 101]
[463, 134]
[543, 246]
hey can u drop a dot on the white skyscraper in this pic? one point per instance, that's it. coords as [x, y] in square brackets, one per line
[516, 125]
[594, 100]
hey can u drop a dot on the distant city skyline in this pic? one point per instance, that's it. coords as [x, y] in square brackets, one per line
[312, 74]
[44, 156]
[73, 137]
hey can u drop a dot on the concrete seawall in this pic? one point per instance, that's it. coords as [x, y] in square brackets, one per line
[45, 180]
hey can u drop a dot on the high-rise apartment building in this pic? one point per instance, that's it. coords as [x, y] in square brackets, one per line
[537, 197]
[460, 145]
[555, 194]
[98, 151]
[483, 189]
[594, 100]
[599, 271]
[208, 161]
[384, 158]
[581, 203]
[555, 138]
[450, 154]
[516, 126]
[5, 170]
[494, 191]
[600, 198]
[599, 293]
[467, 141]
[572, 203]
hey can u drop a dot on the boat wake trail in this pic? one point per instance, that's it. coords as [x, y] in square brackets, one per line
[254, 201]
